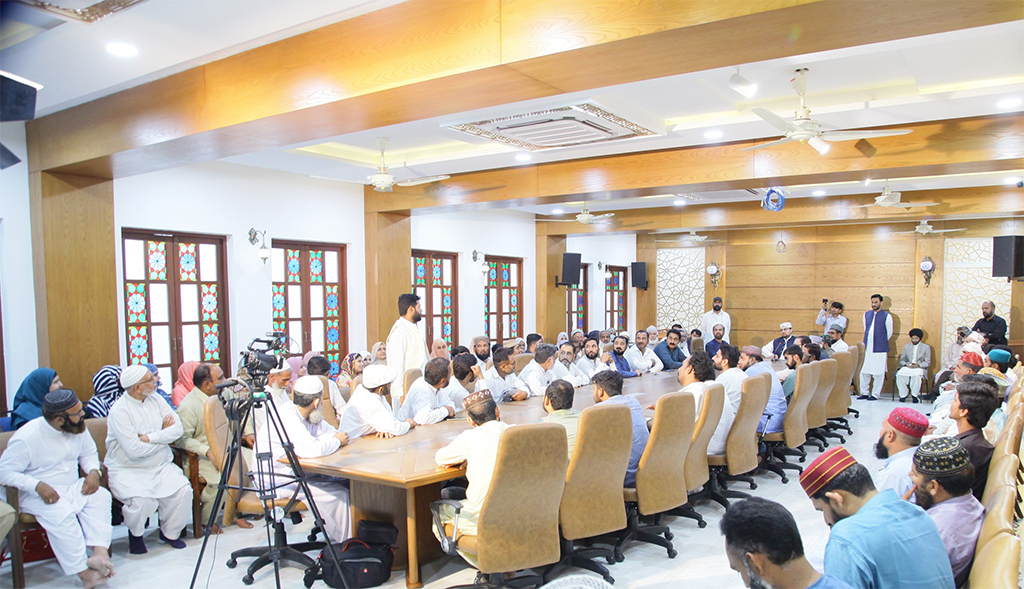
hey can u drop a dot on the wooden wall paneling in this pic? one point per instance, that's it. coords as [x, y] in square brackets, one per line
[795, 254]
[789, 297]
[928, 299]
[388, 251]
[647, 300]
[880, 251]
[550, 298]
[1016, 335]
[879, 275]
[768, 276]
[81, 299]
[717, 253]
[35, 191]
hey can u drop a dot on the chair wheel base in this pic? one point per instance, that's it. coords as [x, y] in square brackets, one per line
[232, 563]
[753, 486]
[619, 557]
[610, 580]
[672, 553]
[784, 480]
[669, 535]
[247, 579]
[702, 524]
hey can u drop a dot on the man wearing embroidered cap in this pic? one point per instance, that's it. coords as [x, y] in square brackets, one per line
[942, 475]
[42, 460]
[142, 474]
[878, 541]
[900, 436]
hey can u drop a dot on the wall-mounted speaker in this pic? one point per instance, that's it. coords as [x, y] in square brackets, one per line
[570, 269]
[638, 272]
[1008, 256]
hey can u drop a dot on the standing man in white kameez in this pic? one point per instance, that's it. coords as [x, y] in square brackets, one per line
[716, 316]
[42, 461]
[141, 471]
[877, 331]
[406, 347]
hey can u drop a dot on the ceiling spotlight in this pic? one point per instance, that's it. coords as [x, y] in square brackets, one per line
[122, 49]
[1009, 103]
[818, 193]
[742, 85]
[523, 157]
[557, 212]
[679, 202]
[819, 144]
[713, 134]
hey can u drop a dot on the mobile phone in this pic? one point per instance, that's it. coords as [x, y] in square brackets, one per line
[824, 300]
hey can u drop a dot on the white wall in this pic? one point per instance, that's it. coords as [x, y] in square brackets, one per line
[615, 250]
[498, 233]
[18, 292]
[227, 199]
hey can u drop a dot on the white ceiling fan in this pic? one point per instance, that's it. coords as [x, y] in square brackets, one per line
[690, 239]
[925, 229]
[584, 217]
[889, 199]
[806, 129]
[384, 181]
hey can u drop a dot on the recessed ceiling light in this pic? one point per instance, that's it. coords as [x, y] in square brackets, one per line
[1009, 103]
[713, 134]
[557, 212]
[523, 157]
[122, 49]
[1010, 180]
[819, 193]
[679, 202]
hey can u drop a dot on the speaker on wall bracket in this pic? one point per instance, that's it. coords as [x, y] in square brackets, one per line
[1008, 257]
[570, 270]
[638, 274]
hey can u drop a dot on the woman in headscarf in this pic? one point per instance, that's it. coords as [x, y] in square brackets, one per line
[106, 386]
[183, 386]
[28, 401]
[562, 338]
[351, 367]
[379, 353]
[296, 363]
[439, 349]
[305, 360]
[159, 385]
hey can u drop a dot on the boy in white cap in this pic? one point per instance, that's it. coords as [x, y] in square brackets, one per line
[368, 412]
[141, 471]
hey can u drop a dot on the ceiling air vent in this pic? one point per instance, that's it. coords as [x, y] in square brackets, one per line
[580, 124]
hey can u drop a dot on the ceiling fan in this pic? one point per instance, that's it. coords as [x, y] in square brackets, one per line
[384, 181]
[925, 229]
[690, 239]
[889, 199]
[584, 217]
[806, 129]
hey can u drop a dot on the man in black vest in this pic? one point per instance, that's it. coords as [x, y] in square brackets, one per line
[877, 331]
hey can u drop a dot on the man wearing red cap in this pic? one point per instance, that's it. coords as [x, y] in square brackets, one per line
[900, 437]
[878, 541]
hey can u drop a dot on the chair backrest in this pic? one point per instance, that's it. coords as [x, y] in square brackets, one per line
[346, 392]
[5, 437]
[518, 523]
[998, 514]
[218, 437]
[816, 416]
[1008, 441]
[1001, 472]
[608, 347]
[592, 500]
[741, 445]
[696, 465]
[859, 365]
[522, 360]
[795, 423]
[660, 477]
[490, 363]
[696, 344]
[330, 415]
[997, 563]
[839, 397]
[97, 427]
[410, 377]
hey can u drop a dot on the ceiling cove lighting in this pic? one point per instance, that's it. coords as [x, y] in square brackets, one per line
[557, 212]
[1009, 103]
[679, 202]
[1011, 180]
[819, 193]
[713, 134]
[742, 85]
[122, 49]
[523, 157]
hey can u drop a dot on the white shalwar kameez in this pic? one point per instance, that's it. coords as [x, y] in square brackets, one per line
[407, 350]
[142, 475]
[39, 452]
[875, 363]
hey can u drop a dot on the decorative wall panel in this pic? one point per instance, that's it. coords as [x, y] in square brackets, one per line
[680, 287]
[968, 281]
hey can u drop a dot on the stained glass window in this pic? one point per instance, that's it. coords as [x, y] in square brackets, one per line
[576, 300]
[502, 312]
[435, 280]
[308, 299]
[615, 303]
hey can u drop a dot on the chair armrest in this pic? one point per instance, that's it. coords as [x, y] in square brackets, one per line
[449, 544]
[760, 434]
[12, 499]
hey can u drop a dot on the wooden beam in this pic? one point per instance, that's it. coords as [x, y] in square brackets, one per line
[424, 58]
[388, 260]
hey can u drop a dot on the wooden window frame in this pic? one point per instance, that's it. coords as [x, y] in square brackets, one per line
[427, 300]
[610, 291]
[571, 294]
[495, 262]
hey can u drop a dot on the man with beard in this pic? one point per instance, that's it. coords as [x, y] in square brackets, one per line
[641, 357]
[974, 403]
[727, 360]
[794, 356]
[537, 373]
[915, 359]
[752, 363]
[992, 326]
[618, 358]
[593, 361]
[42, 461]
[566, 369]
[950, 359]
[878, 541]
[716, 316]
[942, 475]
[669, 351]
[774, 349]
[426, 401]
[406, 347]
[718, 332]
[279, 387]
[877, 331]
[310, 437]
[481, 351]
[763, 545]
[900, 436]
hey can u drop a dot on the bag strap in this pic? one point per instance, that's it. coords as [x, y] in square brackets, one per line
[351, 541]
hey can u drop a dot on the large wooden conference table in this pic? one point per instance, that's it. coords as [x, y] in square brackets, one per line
[395, 479]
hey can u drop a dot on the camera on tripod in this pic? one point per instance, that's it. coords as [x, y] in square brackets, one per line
[259, 358]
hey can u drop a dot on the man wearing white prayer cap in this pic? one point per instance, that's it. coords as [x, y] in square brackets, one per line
[652, 336]
[142, 474]
[279, 383]
[773, 350]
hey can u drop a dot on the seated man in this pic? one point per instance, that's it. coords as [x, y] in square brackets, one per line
[762, 543]
[205, 378]
[532, 340]
[368, 412]
[558, 406]
[877, 539]
[697, 373]
[950, 358]
[652, 336]
[425, 402]
[641, 357]
[774, 349]
[942, 476]
[711, 347]
[537, 374]
[973, 405]
[915, 359]
[670, 352]
[502, 380]
[836, 333]
[481, 351]
[687, 346]
[565, 368]
[140, 464]
[320, 366]
[478, 448]
[466, 371]
[727, 360]
[593, 361]
[900, 436]
[620, 345]
[279, 387]
[794, 356]
[311, 437]
[608, 389]
[42, 460]
[752, 364]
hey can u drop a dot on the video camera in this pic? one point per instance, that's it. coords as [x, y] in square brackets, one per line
[259, 358]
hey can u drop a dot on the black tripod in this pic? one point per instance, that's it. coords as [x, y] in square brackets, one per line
[266, 482]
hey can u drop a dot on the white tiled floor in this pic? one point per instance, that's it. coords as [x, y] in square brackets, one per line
[701, 562]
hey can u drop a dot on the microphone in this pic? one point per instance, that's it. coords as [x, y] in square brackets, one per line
[231, 382]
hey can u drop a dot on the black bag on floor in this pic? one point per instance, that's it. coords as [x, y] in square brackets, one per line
[365, 560]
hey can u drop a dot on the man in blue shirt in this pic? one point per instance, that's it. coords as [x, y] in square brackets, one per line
[713, 345]
[763, 545]
[608, 389]
[752, 363]
[669, 351]
[618, 358]
[878, 541]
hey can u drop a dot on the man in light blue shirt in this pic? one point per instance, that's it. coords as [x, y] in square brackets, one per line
[608, 389]
[752, 363]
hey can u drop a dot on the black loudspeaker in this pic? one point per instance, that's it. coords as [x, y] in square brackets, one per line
[638, 270]
[17, 100]
[1008, 256]
[570, 269]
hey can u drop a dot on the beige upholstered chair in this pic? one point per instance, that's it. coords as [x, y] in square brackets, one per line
[591, 502]
[696, 344]
[794, 426]
[839, 398]
[860, 364]
[660, 481]
[817, 416]
[1001, 472]
[522, 360]
[517, 527]
[740, 455]
[695, 468]
[998, 513]
[996, 564]
[330, 415]
[410, 377]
